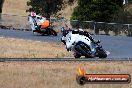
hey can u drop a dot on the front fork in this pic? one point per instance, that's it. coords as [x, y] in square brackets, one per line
[93, 49]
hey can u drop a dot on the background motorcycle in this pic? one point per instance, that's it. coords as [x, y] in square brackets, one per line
[81, 45]
[44, 31]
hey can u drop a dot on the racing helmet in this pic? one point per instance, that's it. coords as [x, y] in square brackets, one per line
[33, 14]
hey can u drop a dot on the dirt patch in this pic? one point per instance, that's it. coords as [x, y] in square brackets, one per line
[17, 7]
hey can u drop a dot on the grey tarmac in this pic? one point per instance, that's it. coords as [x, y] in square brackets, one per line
[116, 46]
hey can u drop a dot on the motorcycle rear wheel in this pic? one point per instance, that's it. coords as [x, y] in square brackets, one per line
[83, 49]
[76, 55]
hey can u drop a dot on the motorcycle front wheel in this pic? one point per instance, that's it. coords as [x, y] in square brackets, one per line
[101, 53]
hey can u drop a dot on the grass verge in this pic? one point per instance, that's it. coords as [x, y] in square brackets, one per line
[58, 74]
[19, 48]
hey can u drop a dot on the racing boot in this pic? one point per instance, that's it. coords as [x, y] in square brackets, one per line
[38, 28]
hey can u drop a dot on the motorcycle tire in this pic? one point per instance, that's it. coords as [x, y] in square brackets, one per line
[77, 55]
[89, 56]
[102, 53]
[83, 49]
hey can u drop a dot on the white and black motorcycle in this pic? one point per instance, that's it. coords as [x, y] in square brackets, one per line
[82, 45]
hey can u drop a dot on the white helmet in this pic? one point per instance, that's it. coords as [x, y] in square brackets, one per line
[33, 14]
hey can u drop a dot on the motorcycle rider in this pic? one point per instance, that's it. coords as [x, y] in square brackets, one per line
[79, 47]
[85, 33]
[79, 31]
[37, 20]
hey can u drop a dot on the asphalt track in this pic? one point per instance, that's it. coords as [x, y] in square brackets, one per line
[119, 47]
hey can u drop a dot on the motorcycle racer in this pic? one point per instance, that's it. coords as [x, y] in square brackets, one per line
[87, 34]
[40, 25]
[80, 43]
[38, 21]
[79, 31]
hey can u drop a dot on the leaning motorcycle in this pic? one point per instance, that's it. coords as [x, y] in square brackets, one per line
[81, 45]
[43, 30]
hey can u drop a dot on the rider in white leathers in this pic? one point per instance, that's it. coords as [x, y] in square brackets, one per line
[35, 21]
[66, 29]
[82, 43]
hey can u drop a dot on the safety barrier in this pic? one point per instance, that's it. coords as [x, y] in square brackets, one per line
[104, 28]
